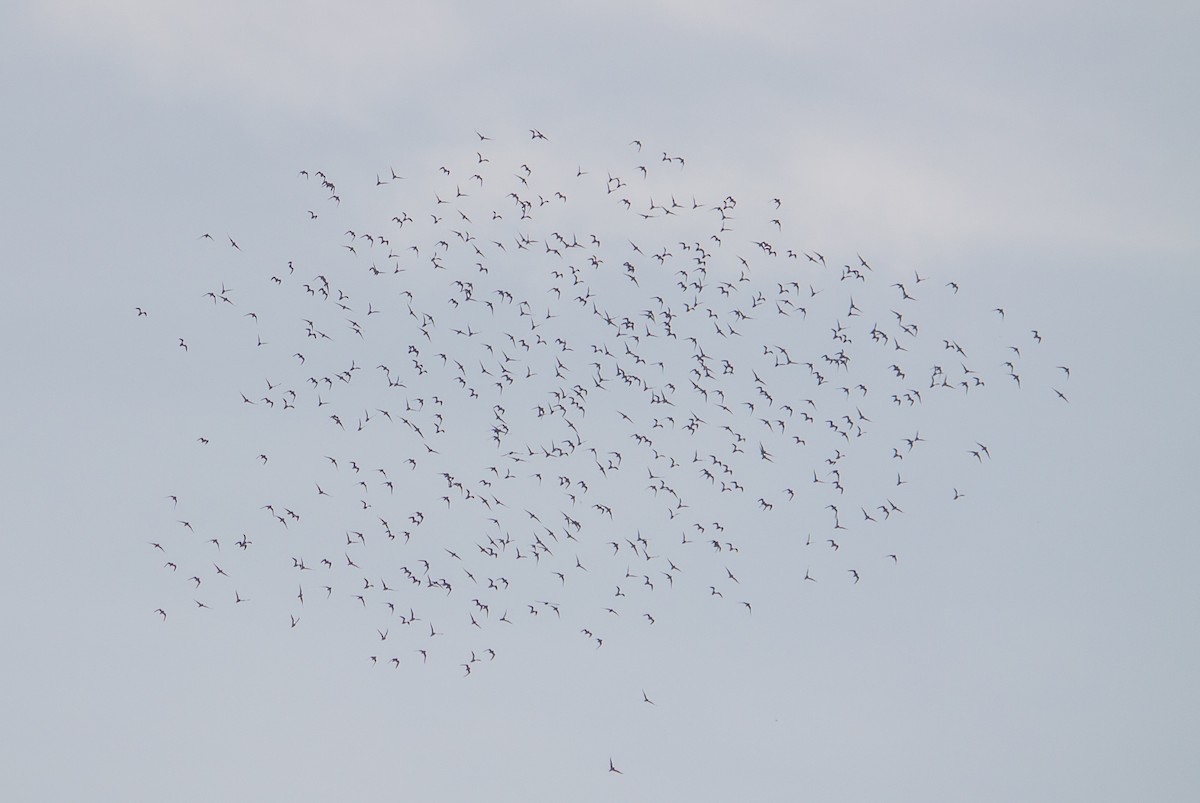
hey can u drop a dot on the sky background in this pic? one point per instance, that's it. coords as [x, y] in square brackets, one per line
[1036, 639]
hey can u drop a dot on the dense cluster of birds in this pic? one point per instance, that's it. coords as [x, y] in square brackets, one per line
[516, 389]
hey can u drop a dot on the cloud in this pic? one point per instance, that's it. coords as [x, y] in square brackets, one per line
[296, 55]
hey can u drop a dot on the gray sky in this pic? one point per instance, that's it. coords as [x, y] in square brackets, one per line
[1032, 640]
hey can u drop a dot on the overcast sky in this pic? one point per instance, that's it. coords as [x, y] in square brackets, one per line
[1032, 640]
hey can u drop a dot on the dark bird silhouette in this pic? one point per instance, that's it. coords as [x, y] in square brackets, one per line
[591, 359]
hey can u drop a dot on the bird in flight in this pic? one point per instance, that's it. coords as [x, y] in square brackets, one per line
[627, 358]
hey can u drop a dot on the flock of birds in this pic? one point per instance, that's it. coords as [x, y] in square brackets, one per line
[513, 390]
